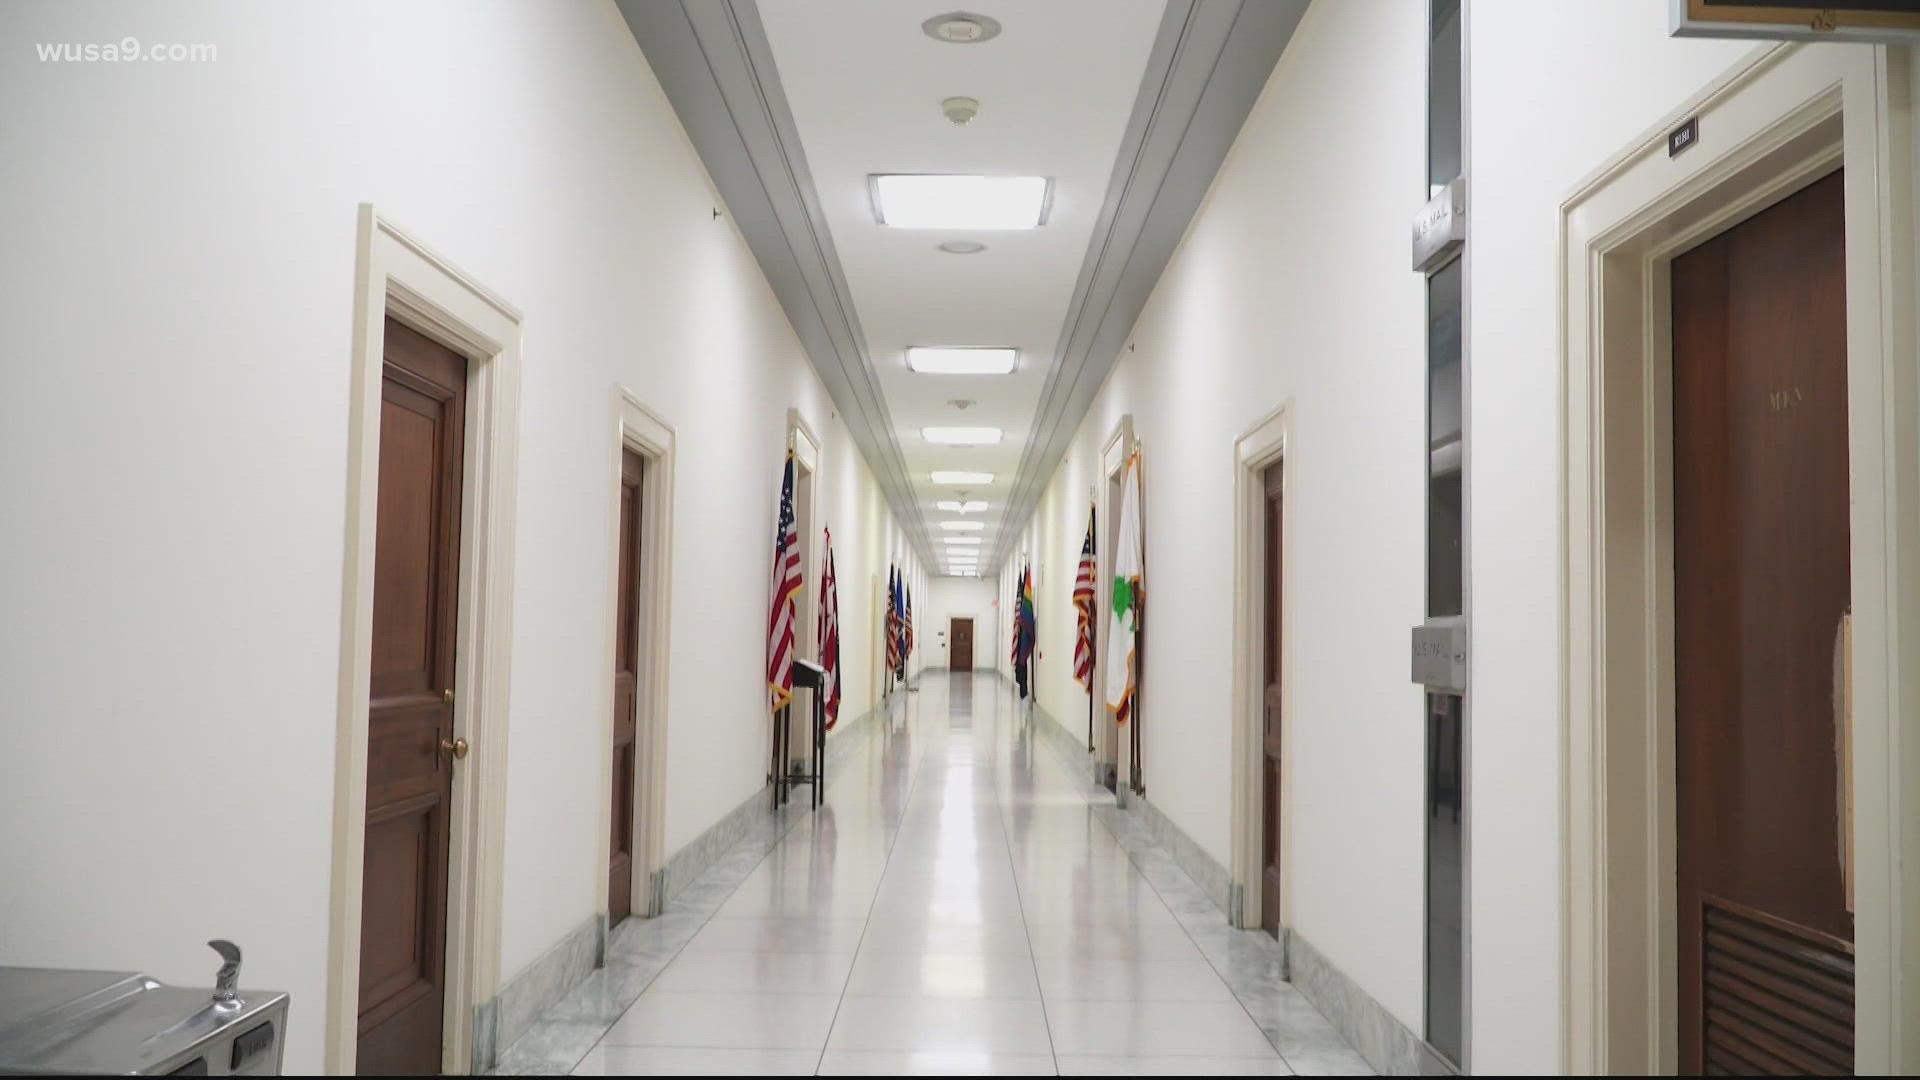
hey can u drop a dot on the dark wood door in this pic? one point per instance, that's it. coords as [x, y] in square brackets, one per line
[403, 913]
[1761, 589]
[1270, 726]
[960, 645]
[625, 684]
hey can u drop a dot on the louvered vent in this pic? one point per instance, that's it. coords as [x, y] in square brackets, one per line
[1779, 997]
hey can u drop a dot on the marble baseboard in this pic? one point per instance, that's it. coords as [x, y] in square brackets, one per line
[1206, 871]
[687, 865]
[636, 951]
[1381, 1039]
[525, 997]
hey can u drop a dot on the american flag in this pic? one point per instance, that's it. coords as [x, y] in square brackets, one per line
[893, 621]
[830, 635]
[786, 590]
[906, 624]
[1083, 601]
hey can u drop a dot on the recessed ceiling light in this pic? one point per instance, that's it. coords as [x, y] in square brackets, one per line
[929, 360]
[957, 507]
[961, 436]
[943, 201]
[952, 540]
[963, 526]
[962, 247]
[961, 28]
[946, 477]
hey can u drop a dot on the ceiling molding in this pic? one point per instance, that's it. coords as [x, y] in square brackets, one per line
[713, 60]
[1209, 63]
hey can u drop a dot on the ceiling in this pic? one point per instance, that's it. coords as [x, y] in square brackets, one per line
[1128, 106]
[1056, 88]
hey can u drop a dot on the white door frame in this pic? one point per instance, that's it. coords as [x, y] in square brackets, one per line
[639, 428]
[1784, 116]
[1263, 446]
[396, 274]
[1110, 747]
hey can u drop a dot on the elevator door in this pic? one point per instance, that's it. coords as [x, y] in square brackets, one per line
[1761, 592]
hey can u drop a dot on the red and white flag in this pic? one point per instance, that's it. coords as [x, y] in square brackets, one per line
[830, 636]
[786, 591]
[1083, 601]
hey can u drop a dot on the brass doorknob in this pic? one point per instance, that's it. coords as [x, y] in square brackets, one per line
[456, 747]
[447, 695]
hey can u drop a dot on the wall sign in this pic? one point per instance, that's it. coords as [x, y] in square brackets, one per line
[1891, 21]
[1440, 228]
[1683, 137]
[1440, 654]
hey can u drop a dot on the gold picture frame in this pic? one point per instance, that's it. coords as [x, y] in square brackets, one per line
[1797, 20]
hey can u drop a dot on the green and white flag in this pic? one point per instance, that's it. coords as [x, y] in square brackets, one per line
[1127, 590]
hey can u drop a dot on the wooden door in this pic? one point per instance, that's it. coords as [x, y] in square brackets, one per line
[625, 684]
[403, 913]
[1270, 727]
[960, 645]
[1761, 588]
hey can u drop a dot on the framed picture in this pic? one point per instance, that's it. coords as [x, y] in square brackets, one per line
[1891, 21]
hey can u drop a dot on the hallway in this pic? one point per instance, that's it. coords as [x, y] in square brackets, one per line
[963, 903]
[1305, 536]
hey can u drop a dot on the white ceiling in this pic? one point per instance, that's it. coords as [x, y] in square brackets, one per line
[1056, 89]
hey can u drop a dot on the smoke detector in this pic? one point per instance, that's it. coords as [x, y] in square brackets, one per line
[962, 247]
[960, 110]
[963, 404]
[961, 28]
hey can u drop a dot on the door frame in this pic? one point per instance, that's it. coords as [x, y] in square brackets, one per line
[1263, 445]
[1781, 118]
[394, 273]
[1108, 744]
[639, 428]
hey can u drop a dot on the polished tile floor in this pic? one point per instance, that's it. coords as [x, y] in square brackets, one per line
[964, 903]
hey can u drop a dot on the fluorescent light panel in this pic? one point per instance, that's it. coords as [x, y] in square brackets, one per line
[948, 477]
[961, 360]
[961, 436]
[963, 526]
[952, 540]
[954, 506]
[920, 201]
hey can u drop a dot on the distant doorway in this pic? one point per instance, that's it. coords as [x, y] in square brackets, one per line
[626, 666]
[1271, 741]
[960, 644]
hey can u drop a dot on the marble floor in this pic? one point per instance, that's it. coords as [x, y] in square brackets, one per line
[965, 902]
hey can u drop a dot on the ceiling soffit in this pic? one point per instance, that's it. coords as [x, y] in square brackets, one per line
[1207, 66]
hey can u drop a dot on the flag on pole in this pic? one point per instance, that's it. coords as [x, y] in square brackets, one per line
[1128, 590]
[1083, 602]
[906, 620]
[786, 589]
[1023, 632]
[830, 636]
[1028, 615]
[892, 628]
[899, 604]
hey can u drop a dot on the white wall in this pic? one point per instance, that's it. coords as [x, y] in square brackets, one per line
[1292, 287]
[177, 291]
[975, 598]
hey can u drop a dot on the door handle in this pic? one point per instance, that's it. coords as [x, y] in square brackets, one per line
[456, 747]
